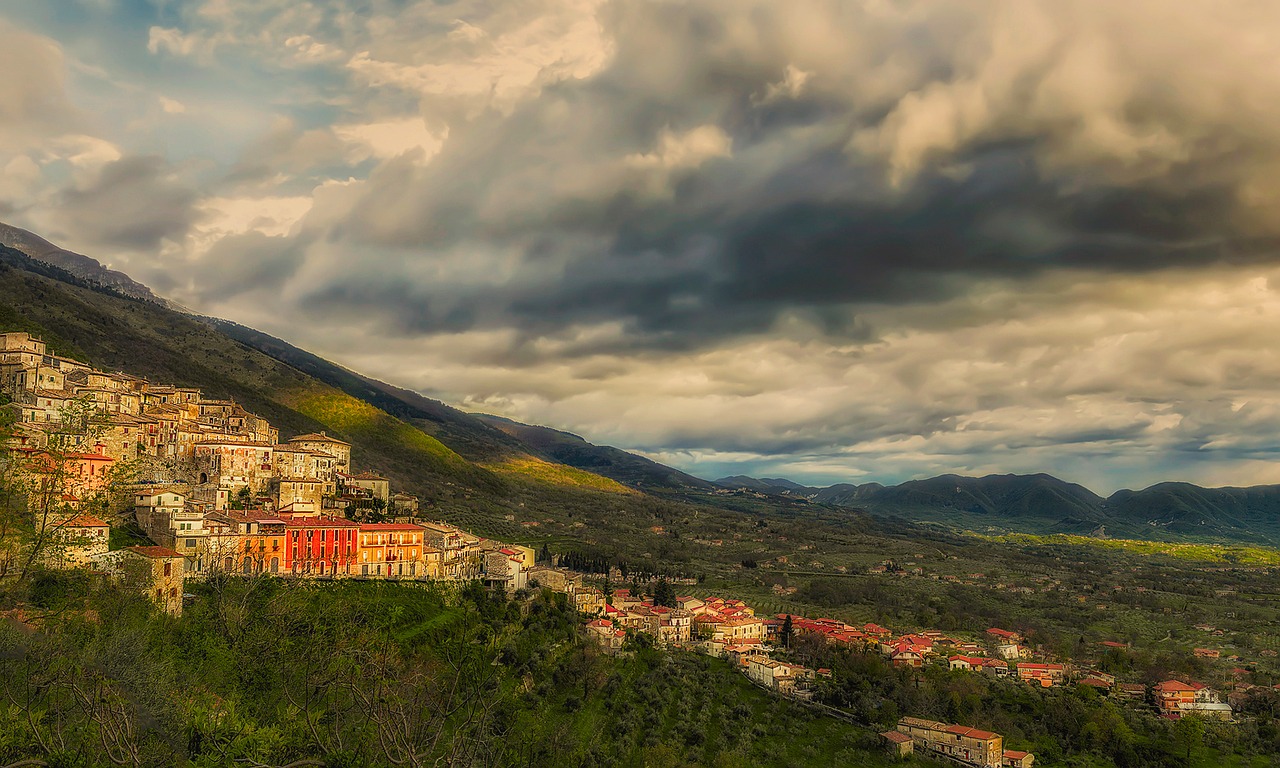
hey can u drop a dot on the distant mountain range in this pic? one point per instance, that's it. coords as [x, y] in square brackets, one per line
[475, 462]
[1045, 504]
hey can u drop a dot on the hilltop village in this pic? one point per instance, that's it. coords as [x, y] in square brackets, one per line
[213, 487]
[217, 492]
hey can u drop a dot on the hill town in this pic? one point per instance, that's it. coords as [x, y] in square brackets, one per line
[209, 490]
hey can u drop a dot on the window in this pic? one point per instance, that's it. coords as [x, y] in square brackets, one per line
[168, 569]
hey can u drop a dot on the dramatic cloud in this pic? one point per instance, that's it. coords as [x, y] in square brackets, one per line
[830, 239]
[133, 203]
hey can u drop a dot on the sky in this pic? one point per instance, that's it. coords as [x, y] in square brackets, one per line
[835, 241]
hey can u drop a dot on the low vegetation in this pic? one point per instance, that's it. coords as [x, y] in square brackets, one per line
[268, 673]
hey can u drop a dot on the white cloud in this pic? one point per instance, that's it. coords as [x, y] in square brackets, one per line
[391, 138]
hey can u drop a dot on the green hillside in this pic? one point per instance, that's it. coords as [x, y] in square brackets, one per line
[114, 332]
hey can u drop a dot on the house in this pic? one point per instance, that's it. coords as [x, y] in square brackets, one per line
[897, 743]
[1004, 635]
[77, 540]
[691, 604]
[1096, 683]
[319, 545]
[1094, 674]
[1013, 758]
[1013, 651]
[1172, 696]
[156, 572]
[906, 656]
[1206, 653]
[875, 630]
[391, 550]
[375, 486]
[76, 473]
[299, 492]
[971, 746]
[1175, 698]
[323, 443]
[405, 504]
[1045, 675]
[260, 541]
[1207, 703]
[997, 667]
[670, 626]
[773, 674]
[965, 663]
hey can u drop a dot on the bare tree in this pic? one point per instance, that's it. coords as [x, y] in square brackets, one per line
[46, 477]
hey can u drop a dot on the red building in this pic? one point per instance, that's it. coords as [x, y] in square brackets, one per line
[320, 546]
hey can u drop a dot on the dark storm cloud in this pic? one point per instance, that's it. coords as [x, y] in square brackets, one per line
[132, 203]
[804, 209]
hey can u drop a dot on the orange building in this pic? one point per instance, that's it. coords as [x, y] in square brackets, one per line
[392, 550]
[1046, 675]
[262, 542]
[1173, 696]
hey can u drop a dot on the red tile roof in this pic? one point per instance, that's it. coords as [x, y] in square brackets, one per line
[973, 733]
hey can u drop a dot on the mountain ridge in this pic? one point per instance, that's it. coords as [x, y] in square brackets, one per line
[1042, 503]
[487, 453]
[79, 265]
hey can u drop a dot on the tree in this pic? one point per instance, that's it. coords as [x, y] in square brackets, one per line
[1189, 732]
[12, 505]
[47, 479]
[786, 631]
[663, 594]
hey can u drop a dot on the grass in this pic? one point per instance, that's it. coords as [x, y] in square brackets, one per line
[557, 474]
[1208, 553]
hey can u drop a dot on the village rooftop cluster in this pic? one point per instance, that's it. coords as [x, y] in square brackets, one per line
[213, 487]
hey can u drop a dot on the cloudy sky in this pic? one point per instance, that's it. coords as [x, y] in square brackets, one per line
[835, 241]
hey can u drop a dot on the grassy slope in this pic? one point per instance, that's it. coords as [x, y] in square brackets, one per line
[466, 434]
[116, 333]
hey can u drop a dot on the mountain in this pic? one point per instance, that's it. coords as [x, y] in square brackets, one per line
[1185, 510]
[1044, 504]
[844, 494]
[82, 267]
[769, 485]
[471, 436]
[491, 473]
[113, 331]
[477, 437]
[627, 468]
